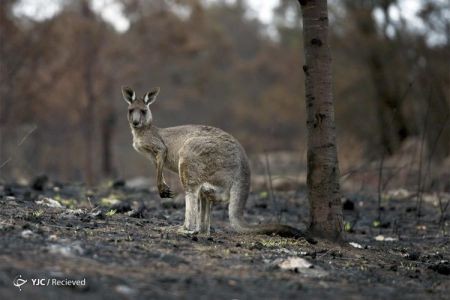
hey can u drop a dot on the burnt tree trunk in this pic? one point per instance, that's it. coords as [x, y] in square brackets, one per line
[391, 121]
[89, 127]
[91, 49]
[323, 167]
[438, 122]
[107, 139]
[380, 52]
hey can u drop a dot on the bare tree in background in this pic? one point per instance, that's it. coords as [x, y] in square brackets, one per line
[379, 55]
[323, 167]
[107, 130]
[91, 52]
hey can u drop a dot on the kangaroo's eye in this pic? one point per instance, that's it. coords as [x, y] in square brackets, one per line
[143, 111]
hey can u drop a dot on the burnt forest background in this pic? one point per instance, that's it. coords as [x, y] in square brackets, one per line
[62, 115]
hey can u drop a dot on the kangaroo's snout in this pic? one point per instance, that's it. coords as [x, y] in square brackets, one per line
[137, 118]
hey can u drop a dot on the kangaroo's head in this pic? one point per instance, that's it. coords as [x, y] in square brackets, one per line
[139, 114]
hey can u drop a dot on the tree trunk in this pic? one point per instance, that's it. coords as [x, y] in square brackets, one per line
[391, 121]
[381, 52]
[91, 49]
[107, 149]
[438, 121]
[89, 127]
[323, 167]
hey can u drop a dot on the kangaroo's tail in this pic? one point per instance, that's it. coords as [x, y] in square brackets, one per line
[238, 197]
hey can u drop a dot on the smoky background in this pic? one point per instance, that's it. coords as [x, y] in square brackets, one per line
[218, 63]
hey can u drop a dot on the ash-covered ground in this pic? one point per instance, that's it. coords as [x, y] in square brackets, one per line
[123, 243]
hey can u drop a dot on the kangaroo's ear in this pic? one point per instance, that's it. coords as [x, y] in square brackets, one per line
[128, 94]
[150, 97]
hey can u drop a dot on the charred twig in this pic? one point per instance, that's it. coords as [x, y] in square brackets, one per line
[22, 140]
[270, 186]
[380, 181]
[442, 208]
[419, 180]
[434, 146]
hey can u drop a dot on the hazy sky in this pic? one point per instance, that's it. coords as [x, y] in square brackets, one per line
[111, 10]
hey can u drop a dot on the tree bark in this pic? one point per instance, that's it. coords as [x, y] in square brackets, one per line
[89, 125]
[107, 148]
[380, 52]
[90, 59]
[322, 162]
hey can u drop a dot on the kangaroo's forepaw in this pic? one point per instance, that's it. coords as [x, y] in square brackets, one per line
[165, 192]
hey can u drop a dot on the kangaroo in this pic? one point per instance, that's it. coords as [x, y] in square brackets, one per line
[212, 166]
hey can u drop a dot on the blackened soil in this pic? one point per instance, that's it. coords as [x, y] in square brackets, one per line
[124, 242]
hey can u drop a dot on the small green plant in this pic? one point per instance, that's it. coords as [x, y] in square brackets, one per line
[347, 227]
[376, 223]
[263, 194]
[38, 213]
[35, 216]
[109, 201]
[111, 212]
[69, 203]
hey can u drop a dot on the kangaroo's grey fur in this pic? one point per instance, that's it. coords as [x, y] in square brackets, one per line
[211, 164]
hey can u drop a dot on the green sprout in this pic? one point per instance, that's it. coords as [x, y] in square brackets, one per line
[376, 223]
[347, 226]
[38, 213]
[111, 212]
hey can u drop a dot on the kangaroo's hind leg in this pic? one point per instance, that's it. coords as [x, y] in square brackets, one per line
[206, 198]
[192, 190]
[192, 218]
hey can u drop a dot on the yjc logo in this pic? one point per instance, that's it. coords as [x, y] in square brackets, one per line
[18, 282]
[38, 281]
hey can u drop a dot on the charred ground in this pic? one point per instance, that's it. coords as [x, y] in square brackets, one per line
[124, 241]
